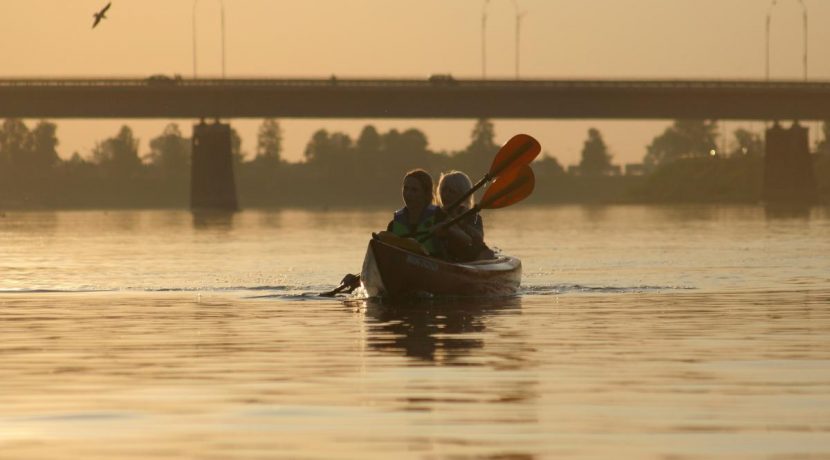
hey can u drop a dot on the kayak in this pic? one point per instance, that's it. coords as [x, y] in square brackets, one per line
[393, 271]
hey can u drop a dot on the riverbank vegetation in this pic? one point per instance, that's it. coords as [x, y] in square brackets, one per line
[682, 164]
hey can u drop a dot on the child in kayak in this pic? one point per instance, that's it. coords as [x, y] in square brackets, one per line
[419, 214]
[464, 240]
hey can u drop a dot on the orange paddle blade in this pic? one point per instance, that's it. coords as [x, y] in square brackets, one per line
[513, 186]
[520, 150]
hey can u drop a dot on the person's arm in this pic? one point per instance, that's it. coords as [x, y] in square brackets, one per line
[458, 237]
[454, 235]
[475, 229]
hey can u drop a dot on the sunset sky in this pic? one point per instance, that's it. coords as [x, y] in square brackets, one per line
[671, 39]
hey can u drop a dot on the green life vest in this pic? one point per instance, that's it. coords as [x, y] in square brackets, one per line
[401, 226]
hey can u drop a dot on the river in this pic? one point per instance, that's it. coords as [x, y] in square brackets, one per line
[640, 332]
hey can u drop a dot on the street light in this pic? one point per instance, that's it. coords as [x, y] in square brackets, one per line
[804, 32]
[519, 16]
[484, 39]
[222, 19]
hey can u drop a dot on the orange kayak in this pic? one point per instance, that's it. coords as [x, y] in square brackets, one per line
[392, 271]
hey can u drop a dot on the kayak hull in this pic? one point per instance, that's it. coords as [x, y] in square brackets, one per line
[389, 271]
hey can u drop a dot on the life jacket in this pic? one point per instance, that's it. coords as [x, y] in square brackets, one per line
[401, 226]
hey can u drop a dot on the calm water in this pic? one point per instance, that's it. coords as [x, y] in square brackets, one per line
[641, 332]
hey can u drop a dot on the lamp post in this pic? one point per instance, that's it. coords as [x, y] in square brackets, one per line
[804, 33]
[519, 16]
[222, 25]
[484, 39]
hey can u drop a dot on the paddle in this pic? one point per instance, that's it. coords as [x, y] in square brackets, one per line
[350, 282]
[512, 187]
[519, 151]
[402, 242]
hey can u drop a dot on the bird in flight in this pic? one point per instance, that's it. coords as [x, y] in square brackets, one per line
[101, 14]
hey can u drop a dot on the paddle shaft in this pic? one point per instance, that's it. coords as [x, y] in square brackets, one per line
[487, 178]
[490, 200]
[449, 223]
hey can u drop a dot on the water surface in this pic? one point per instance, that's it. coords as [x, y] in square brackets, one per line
[641, 332]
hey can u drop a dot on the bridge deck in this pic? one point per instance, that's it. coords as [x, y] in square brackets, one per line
[439, 97]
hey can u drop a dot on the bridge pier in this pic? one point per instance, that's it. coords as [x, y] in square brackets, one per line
[212, 185]
[788, 168]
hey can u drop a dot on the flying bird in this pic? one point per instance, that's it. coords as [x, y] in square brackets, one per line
[101, 14]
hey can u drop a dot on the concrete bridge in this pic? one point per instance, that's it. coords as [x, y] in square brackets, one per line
[788, 170]
[436, 97]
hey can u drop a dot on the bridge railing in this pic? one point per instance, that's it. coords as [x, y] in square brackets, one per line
[161, 81]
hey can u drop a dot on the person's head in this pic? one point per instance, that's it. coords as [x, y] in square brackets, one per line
[451, 186]
[417, 189]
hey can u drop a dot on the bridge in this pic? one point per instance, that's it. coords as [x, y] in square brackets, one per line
[436, 97]
[788, 171]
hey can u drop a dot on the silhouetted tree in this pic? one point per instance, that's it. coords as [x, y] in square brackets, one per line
[482, 138]
[370, 153]
[269, 142]
[595, 157]
[369, 142]
[475, 159]
[684, 139]
[410, 145]
[318, 147]
[326, 148]
[44, 145]
[28, 157]
[340, 144]
[118, 156]
[403, 150]
[548, 166]
[170, 153]
[258, 180]
[76, 158]
[747, 143]
[15, 143]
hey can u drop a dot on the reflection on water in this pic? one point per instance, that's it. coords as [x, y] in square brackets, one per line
[272, 219]
[595, 212]
[787, 211]
[442, 331]
[41, 223]
[123, 221]
[213, 220]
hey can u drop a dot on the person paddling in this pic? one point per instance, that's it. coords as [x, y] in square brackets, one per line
[514, 181]
[464, 240]
[418, 216]
[419, 213]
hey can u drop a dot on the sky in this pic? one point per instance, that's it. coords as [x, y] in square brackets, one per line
[596, 39]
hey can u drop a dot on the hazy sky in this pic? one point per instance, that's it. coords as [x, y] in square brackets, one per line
[412, 38]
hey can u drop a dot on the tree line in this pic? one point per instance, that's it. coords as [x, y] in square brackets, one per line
[337, 170]
[340, 170]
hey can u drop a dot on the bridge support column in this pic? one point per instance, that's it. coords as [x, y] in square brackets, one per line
[212, 186]
[788, 168]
